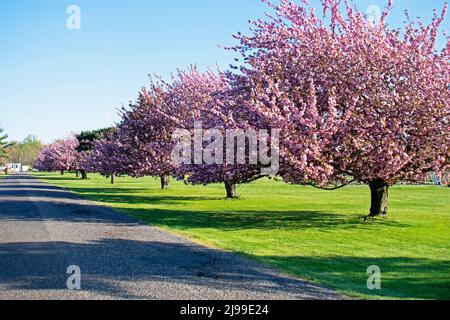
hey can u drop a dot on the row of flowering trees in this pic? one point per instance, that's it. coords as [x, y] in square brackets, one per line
[353, 100]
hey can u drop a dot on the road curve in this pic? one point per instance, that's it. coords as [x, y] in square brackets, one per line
[45, 229]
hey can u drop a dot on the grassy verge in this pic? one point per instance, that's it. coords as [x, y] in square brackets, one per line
[313, 234]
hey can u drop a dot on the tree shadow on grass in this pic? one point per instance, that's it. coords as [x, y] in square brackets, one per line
[246, 219]
[223, 220]
[129, 196]
[62, 178]
[401, 277]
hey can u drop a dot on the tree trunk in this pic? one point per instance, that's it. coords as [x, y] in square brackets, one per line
[83, 174]
[62, 172]
[77, 174]
[113, 179]
[379, 190]
[231, 189]
[165, 182]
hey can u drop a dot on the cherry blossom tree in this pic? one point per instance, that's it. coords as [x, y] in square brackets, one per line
[60, 155]
[86, 140]
[209, 100]
[109, 156]
[356, 101]
[145, 132]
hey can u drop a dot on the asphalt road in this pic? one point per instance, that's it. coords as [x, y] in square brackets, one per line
[44, 230]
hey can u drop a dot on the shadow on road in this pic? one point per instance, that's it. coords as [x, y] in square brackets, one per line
[26, 199]
[124, 268]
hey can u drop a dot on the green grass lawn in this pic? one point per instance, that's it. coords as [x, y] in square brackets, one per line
[313, 234]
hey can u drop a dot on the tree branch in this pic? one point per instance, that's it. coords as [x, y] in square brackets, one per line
[331, 189]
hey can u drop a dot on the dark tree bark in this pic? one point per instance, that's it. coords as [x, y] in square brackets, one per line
[77, 174]
[83, 174]
[231, 189]
[165, 182]
[62, 172]
[379, 191]
[113, 179]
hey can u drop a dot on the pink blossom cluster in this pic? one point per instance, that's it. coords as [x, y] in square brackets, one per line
[109, 156]
[60, 155]
[353, 99]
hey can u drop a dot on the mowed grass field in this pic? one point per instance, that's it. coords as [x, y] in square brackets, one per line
[313, 234]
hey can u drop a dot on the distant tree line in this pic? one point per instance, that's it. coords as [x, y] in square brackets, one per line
[24, 152]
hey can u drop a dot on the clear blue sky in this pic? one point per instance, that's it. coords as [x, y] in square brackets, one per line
[54, 81]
